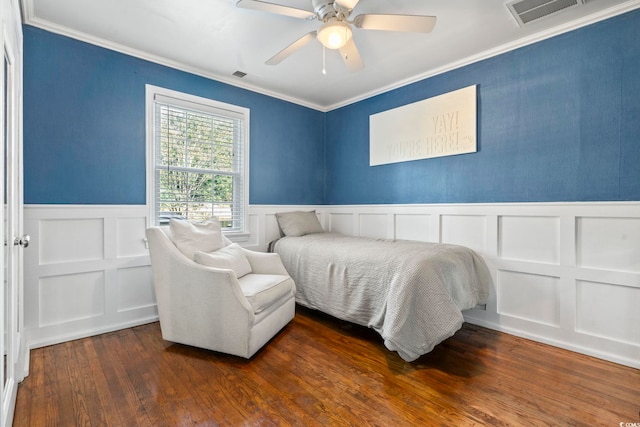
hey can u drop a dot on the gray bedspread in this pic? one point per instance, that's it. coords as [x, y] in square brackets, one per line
[411, 293]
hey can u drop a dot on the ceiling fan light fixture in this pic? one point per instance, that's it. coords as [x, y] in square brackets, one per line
[334, 34]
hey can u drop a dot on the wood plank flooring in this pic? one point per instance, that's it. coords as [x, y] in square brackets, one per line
[320, 371]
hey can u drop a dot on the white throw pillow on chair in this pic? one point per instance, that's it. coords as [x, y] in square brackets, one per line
[231, 257]
[191, 237]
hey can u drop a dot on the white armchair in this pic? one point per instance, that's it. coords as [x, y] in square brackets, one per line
[210, 307]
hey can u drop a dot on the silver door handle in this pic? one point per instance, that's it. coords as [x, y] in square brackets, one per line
[22, 241]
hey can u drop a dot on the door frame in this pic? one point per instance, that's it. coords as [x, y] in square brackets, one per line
[13, 344]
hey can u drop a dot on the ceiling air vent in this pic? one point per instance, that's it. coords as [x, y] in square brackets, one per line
[239, 74]
[525, 11]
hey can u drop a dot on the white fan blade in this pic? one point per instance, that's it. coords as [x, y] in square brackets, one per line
[351, 56]
[347, 4]
[298, 44]
[407, 23]
[275, 8]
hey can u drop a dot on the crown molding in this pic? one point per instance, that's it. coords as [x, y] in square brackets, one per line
[30, 19]
[525, 41]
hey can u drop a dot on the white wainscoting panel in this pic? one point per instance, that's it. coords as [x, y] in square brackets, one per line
[130, 234]
[531, 297]
[254, 224]
[134, 291]
[89, 231]
[86, 290]
[566, 274]
[527, 238]
[341, 223]
[465, 230]
[606, 311]
[609, 243]
[413, 227]
[86, 272]
[373, 225]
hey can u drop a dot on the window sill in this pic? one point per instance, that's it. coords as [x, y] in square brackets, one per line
[238, 237]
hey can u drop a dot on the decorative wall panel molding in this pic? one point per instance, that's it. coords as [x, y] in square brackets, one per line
[566, 274]
[86, 272]
[55, 292]
[609, 311]
[609, 243]
[526, 238]
[412, 227]
[530, 297]
[465, 230]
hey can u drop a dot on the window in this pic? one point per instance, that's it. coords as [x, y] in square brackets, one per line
[197, 162]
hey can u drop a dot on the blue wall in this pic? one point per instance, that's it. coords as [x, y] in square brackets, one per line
[84, 128]
[557, 121]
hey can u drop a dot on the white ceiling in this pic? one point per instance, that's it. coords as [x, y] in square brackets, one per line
[214, 38]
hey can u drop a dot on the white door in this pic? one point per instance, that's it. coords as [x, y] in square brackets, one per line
[12, 344]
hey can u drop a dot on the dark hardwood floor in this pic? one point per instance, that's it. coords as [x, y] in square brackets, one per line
[320, 371]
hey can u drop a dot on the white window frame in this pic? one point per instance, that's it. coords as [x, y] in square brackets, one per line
[202, 104]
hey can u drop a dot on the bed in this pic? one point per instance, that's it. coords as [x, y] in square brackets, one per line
[411, 293]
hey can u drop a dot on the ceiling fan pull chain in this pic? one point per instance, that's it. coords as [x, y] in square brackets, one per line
[324, 60]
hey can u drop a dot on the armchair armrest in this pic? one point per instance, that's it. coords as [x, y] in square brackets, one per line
[195, 285]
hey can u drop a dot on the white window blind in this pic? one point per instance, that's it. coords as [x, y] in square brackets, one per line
[199, 153]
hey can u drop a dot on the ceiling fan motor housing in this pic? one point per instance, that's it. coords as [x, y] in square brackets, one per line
[324, 9]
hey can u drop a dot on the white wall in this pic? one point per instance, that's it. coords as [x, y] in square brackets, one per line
[567, 274]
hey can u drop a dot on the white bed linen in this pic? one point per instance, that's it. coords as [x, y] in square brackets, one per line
[411, 293]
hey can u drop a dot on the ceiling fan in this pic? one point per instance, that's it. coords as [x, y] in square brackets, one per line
[336, 31]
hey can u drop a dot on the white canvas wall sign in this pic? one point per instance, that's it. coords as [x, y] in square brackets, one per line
[444, 125]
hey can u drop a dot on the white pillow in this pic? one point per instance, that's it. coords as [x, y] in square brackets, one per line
[191, 237]
[298, 223]
[231, 257]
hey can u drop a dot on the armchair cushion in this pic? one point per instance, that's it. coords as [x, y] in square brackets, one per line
[191, 237]
[262, 290]
[230, 257]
